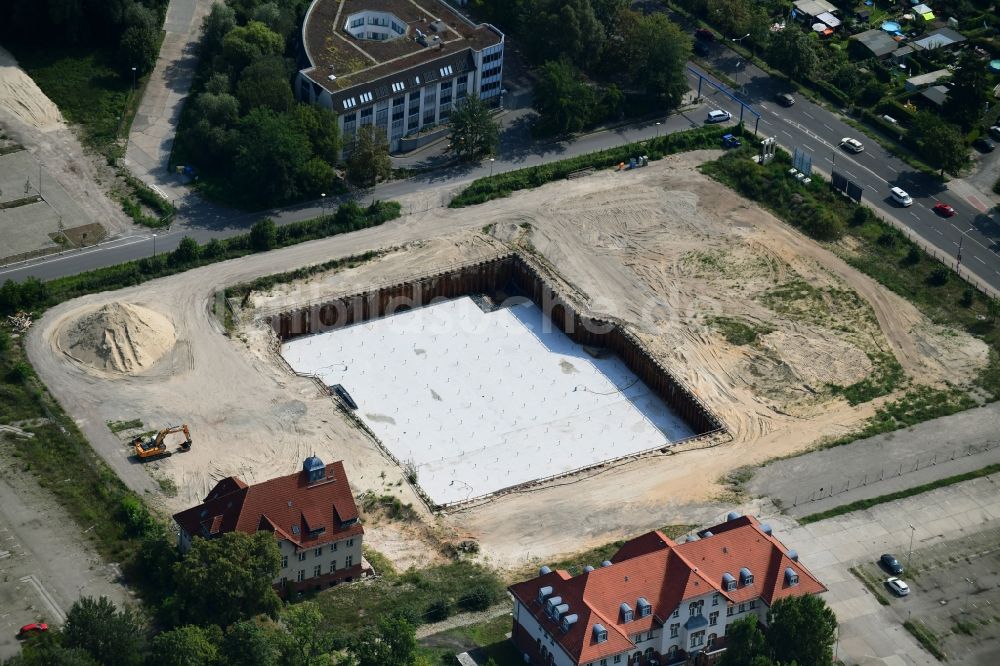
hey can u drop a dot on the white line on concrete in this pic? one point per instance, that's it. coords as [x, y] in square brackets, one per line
[808, 115]
[45, 597]
[809, 148]
[939, 231]
[828, 127]
[786, 134]
[980, 261]
[914, 215]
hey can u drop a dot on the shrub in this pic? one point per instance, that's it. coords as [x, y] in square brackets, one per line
[264, 235]
[967, 296]
[438, 611]
[477, 599]
[939, 276]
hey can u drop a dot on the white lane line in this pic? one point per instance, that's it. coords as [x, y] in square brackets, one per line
[914, 215]
[851, 175]
[939, 231]
[828, 127]
[786, 134]
[874, 189]
[980, 261]
[891, 169]
[809, 148]
[807, 115]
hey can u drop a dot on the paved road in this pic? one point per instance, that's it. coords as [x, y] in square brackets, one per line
[151, 137]
[818, 131]
[871, 633]
[882, 464]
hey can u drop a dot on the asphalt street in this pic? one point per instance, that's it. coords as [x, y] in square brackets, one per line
[804, 125]
[819, 132]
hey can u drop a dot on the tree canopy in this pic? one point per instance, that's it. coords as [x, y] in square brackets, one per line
[391, 642]
[801, 629]
[474, 133]
[939, 142]
[369, 160]
[111, 636]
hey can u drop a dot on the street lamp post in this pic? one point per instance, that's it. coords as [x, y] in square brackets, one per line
[658, 123]
[154, 246]
[492, 160]
[322, 203]
[133, 79]
[909, 556]
[972, 584]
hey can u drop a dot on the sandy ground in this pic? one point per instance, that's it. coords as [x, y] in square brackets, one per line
[663, 249]
[33, 121]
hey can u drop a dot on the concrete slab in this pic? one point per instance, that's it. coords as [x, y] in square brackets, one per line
[480, 401]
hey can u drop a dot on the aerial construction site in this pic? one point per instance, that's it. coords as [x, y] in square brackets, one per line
[565, 366]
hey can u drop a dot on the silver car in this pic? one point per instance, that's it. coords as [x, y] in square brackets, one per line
[898, 587]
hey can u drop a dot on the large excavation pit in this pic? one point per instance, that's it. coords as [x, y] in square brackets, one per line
[484, 379]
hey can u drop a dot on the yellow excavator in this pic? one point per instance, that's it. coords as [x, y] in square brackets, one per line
[156, 447]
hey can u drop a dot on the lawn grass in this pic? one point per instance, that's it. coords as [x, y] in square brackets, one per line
[86, 87]
[348, 608]
[488, 639]
[860, 505]
[925, 637]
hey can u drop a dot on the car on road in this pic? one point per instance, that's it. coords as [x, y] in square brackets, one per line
[704, 34]
[718, 116]
[944, 210]
[852, 145]
[984, 145]
[900, 196]
[891, 564]
[995, 132]
[784, 99]
[898, 587]
[31, 629]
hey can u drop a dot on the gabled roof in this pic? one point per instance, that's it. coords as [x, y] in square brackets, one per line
[307, 514]
[666, 574]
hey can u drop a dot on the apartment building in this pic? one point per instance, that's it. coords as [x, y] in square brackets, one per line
[311, 513]
[401, 65]
[657, 601]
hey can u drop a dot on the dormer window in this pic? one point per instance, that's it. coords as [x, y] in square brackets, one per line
[728, 582]
[544, 593]
[746, 578]
[600, 633]
[626, 612]
[791, 578]
[644, 607]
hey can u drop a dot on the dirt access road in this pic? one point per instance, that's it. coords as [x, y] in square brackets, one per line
[663, 249]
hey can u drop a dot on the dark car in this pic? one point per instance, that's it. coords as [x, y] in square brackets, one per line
[891, 564]
[784, 99]
[704, 34]
[983, 144]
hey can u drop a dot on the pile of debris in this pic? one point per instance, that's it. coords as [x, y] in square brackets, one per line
[19, 321]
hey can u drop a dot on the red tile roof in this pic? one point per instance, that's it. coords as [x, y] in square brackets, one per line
[665, 574]
[307, 514]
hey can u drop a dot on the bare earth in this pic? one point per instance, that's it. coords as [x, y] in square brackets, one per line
[663, 249]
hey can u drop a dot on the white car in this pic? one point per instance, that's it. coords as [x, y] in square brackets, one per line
[718, 116]
[852, 145]
[900, 196]
[898, 586]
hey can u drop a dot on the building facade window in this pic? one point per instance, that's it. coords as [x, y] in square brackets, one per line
[461, 86]
[319, 551]
[729, 612]
[366, 119]
[649, 635]
[715, 599]
[697, 639]
[301, 576]
[753, 604]
[711, 640]
[618, 659]
[677, 612]
[317, 570]
[284, 561]
[333, 565]
[302, 556]
[743, 608]
[695, 608]
[335, 546]
[674, 629]
[713, 618]
[349, 561]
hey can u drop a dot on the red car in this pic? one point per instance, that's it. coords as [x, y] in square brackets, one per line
[33, 628]
[943, 209]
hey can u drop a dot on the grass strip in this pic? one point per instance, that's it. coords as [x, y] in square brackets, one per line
[873, 586]
[860, 505]
[925, 637]
[504, 184]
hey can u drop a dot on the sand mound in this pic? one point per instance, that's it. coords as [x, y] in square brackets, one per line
[21, 97]
[819, 359]
[119, 337]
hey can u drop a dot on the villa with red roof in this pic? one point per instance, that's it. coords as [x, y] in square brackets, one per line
[658, 601]
[311, 513]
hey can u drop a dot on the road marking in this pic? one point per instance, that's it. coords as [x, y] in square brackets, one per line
[807, 115]
[786, 134]
[874, 189]
[828, 127]
[809, 148]
[891, 169]
[980, 261]
[851, 175]
[45, 597]
[914, 215]
[939, 231]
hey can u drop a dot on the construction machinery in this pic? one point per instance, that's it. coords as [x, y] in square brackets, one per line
[156, 446]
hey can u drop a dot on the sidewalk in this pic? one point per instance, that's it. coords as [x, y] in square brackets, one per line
[151, 137]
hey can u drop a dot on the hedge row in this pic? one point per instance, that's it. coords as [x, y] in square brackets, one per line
[503, 184]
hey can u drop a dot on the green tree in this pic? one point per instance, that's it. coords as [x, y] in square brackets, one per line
[139, 44]
[794, 52]
[189, 645]
[309, 641]
[246, 43]
[369, 160]
[112, 637]
[939, 142]
[474, 133]
[276, 18]
[564, 101]
[732, 17]
[47, 651]
[254, 643]
[216, 25]
[228, 579]
[391, 642]
[801, 629]
[744, 642]
[264, 235]
[317, 176]
[265, 83]
[967, 97]
[319, 125]
[219, 109]
[993, 309]
[661, 57]
[187, 251]
[270, 157]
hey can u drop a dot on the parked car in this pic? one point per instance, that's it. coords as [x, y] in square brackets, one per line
[891, 564]
[704, 34]
[995, 132]
[33, 628]
[718, 116]
[900, 196]
[853, 145]
[944, 210]
[784, 99]
[984, 145]
[898, 587]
